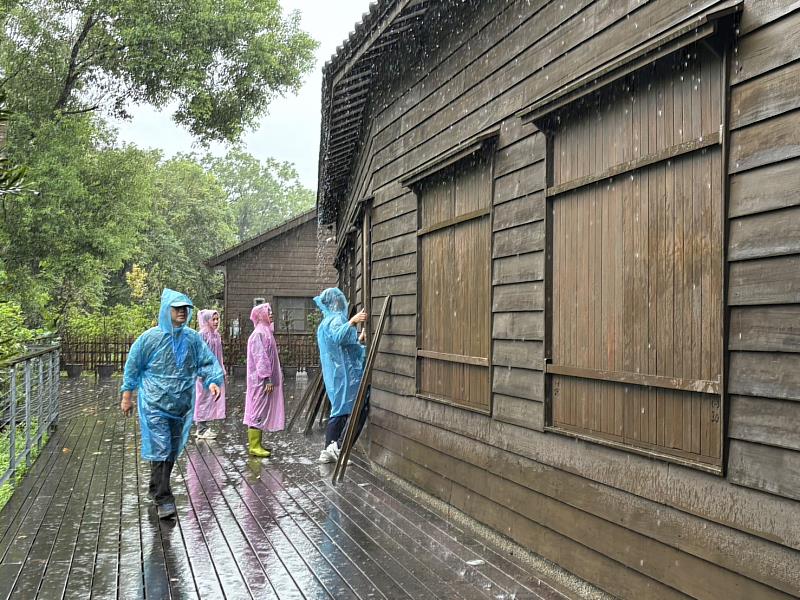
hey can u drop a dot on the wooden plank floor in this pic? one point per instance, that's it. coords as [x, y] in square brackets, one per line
[80, 525]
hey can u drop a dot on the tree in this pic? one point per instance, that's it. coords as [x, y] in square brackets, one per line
[220, 61]
[13, 333]
[92, 198]
[11, 175]
[261, 195]
[188, 222]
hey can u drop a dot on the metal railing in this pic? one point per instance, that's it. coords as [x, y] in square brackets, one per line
[28, 405]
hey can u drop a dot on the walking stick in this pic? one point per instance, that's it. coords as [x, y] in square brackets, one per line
[352, 422]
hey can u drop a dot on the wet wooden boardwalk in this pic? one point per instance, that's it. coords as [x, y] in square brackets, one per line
[81, 524]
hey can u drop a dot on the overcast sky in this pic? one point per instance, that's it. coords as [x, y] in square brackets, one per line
[291, 129]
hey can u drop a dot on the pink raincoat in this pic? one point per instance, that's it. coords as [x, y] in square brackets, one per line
[261, 410]
[205, 408]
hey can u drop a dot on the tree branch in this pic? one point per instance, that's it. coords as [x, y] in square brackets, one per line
[80, 110]
[72, 70]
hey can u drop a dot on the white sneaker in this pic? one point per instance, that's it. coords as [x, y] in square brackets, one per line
[208, 434]
[333, 450]
[325, 458]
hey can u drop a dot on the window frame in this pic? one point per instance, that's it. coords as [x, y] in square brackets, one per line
[276, 301]
[542, 116]
[482, 147]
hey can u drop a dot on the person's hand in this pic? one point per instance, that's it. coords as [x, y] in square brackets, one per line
[360, 317]
[214, 389]
[126, 405]
[363, 337]
[269, 387]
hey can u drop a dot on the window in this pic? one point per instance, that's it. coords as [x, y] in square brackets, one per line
[454, 258]
[233, 328]
[291, 314]
[636, 220]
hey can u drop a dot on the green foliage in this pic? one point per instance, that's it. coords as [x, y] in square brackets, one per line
[11, 175]
[109, 226]
[189, 221]
[13, 332]
[119, 320]
[261, 194]
[314, 318]
[7, 489]
[220, 61]
[85, 220]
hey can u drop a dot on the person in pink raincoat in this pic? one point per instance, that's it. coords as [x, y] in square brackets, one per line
[264, 404]
[205, 408]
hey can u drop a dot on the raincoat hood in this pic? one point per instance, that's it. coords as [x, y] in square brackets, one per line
[204, 320]
[259, 312]
[332, 301]
[169, 296]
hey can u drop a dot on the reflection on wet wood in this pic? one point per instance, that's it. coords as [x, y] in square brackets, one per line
[81, 524]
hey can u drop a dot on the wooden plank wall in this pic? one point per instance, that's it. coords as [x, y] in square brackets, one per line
[764, 252]
[283, 266]
[637, 527]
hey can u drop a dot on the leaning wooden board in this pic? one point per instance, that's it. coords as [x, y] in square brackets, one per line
[352, 422]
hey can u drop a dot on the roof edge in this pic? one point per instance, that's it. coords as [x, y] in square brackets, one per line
[259, 239]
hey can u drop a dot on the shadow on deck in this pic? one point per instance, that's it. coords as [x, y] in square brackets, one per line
[81, 524]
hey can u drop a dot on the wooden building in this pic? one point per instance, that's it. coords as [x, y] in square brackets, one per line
[587, 212]
[285, 266]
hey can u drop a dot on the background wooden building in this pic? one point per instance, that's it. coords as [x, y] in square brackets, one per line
[588, 214]
[285, 266]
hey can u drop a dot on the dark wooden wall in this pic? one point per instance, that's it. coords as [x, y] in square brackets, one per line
[635, 526]
[287, 265]
[764, 252]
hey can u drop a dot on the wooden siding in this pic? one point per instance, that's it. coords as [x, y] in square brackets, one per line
[636, 527]
[764, 254]
[287, 265]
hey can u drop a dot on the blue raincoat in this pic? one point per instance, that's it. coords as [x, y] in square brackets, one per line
[341, 355]
[162, 365]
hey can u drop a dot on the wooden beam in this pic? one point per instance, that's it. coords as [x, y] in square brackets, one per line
[460, 152]
[694, 464]
[349, 105]
[366, 72]
[712, 139]
[475, 214]
[350, 116]
[388, 19]
[358, 405]
[680, 36]
[702, 386]
[454, 358]
[346, 129]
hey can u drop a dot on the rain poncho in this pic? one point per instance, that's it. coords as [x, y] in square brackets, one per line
[162, 365]
[341, 355]
[261, 410]
[205, 407]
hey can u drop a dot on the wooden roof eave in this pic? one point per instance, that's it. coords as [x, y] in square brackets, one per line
[697, 28]
[461, 152]
[261, 238]
[348, 85]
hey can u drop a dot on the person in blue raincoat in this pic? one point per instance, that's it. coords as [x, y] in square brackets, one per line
[342, 356]
[162, 366]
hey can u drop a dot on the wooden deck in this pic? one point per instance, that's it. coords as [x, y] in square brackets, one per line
[81, 524]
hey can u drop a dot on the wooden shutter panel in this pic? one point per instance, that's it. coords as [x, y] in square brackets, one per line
[637, 213]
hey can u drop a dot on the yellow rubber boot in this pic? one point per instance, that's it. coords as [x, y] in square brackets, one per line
[254, 439]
